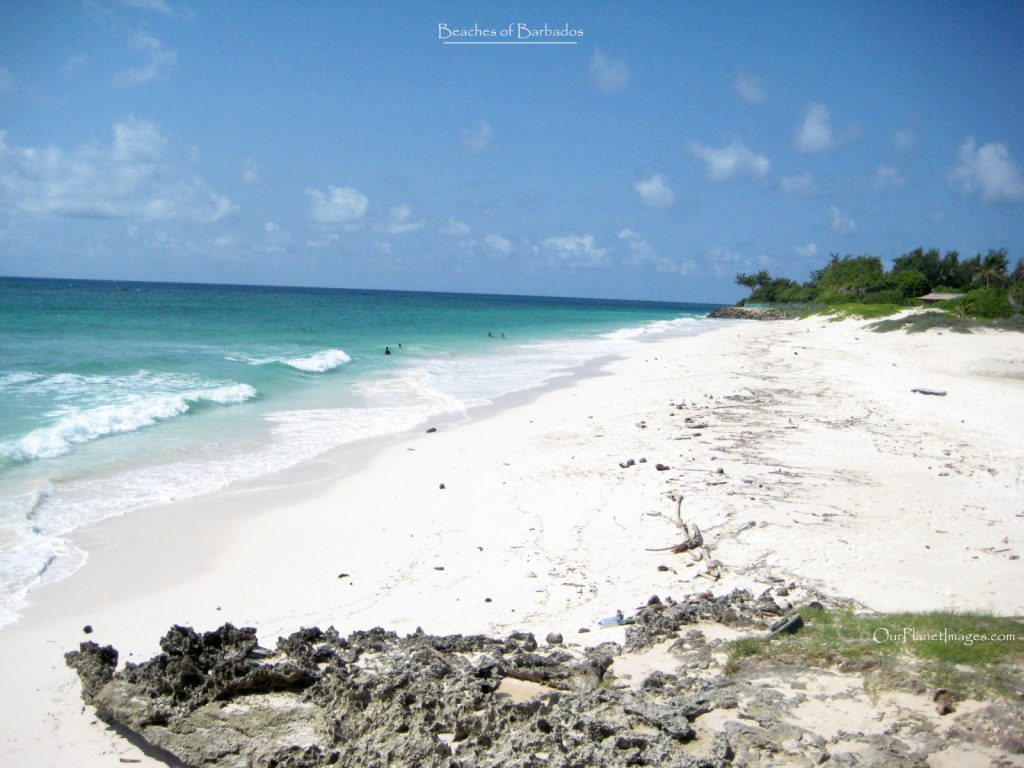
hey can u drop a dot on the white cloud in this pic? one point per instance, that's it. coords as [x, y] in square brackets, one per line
[725, 261]
[749, 88]
[158, 60]
[74, 63]
[159, 6]
[400, 221]
[499, 244]
[477, 137]
[575, 251]
[7, 81]
[903, 139]
[250, 172]
[339, 205]
[331, 238]
[807, 251]
[815, 133]
[382, 246]
[642, 254]
[887, 177]
[988, 171]
[277, 239]
[129, 179]
[731, 161]
[608, 74]
[797, 184]
[455, 229]
[840, 222]
[655, 191]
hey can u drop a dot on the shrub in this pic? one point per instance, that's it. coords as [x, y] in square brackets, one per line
[912, 283]
[890, 296]
[989, 303]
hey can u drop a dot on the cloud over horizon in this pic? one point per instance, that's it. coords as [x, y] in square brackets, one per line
[575, 251]
[131, 178]
[338, 205]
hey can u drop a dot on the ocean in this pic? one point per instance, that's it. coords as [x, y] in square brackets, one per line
[115, 397]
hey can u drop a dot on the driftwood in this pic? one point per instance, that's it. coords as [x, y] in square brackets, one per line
[693, 540]
[923, 391]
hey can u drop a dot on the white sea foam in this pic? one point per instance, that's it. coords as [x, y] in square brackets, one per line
[74, 426]
[9, 380]
[318, 362]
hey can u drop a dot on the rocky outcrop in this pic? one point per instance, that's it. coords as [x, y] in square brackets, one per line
[376, 700]
[748, 313]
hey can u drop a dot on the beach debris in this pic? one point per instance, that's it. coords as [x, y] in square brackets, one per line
[438, 567]
[787, 625]
[554, 638]
[662, 467]
[87, 629]
[613, 621]
[583, 630]
[343, 575]
[487, 599]
[643, 460]
[693, 540]
[944, 701]
[626, 463]
[129, 760]
[925, 391]
[441, 486]
[664, 568]
[431, 430]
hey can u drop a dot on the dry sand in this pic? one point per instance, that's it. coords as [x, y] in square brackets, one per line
[809, 430]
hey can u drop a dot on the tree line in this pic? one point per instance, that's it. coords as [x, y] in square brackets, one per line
[990, 288]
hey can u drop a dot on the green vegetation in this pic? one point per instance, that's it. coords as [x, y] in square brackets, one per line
[970, 653]
[926, 321]
[856, 285]
[866, 311]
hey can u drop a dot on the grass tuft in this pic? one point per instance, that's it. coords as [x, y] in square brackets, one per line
[969, 651]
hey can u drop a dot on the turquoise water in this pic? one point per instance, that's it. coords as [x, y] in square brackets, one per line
[120, 396]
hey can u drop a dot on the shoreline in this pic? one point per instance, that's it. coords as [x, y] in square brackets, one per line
[538, 516]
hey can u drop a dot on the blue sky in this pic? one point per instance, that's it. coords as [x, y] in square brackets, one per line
[344, 144]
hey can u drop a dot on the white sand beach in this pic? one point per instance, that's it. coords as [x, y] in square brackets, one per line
[799, 449]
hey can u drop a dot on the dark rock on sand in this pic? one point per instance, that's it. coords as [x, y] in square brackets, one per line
[748, 313]
[95, 666]
[375, 700]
